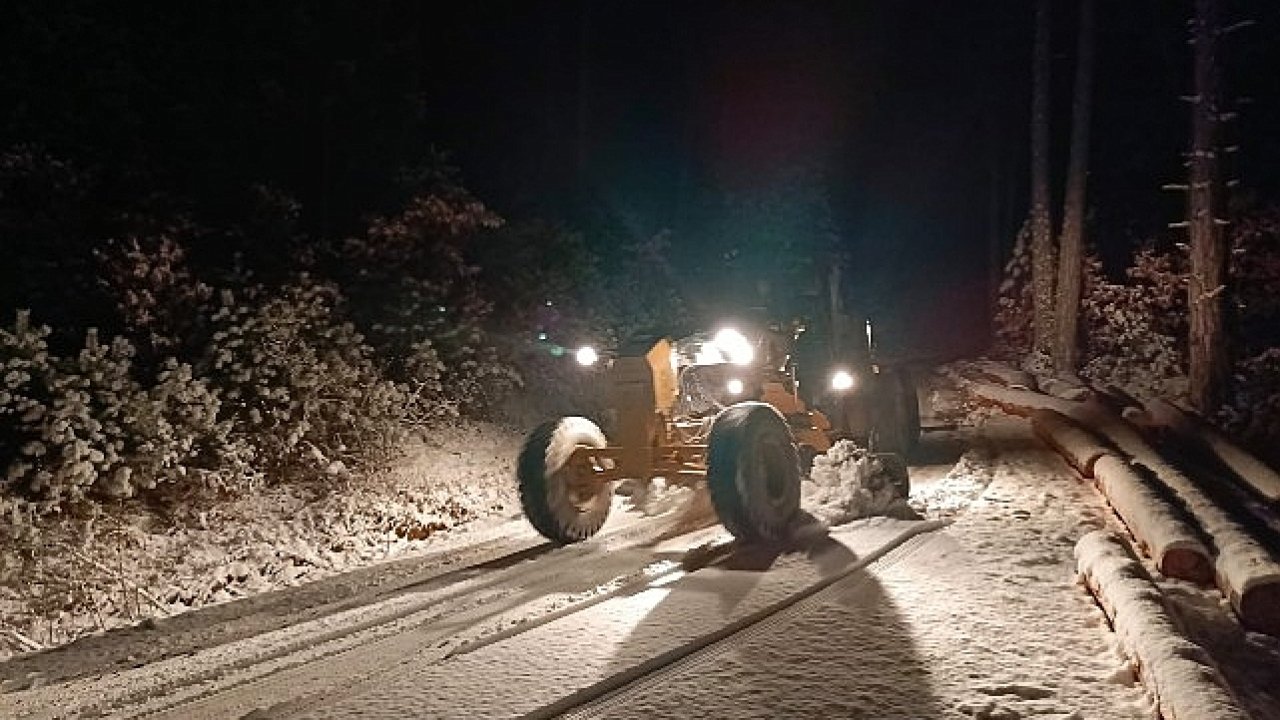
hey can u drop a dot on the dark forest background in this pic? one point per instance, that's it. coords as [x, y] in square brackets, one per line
[264, 237]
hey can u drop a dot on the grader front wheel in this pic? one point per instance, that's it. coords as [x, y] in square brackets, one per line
[560, 506]
[753, 472]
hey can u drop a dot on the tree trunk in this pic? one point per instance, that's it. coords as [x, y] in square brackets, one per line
[1043, 261]
[1066, 356]
[1208, 357]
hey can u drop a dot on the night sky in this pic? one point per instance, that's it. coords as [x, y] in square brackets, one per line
[625, 119]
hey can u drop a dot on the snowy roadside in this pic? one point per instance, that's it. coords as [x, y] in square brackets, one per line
[136, 566]
[1249, 661]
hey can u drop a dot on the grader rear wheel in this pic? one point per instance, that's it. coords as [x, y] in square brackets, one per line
[753, 472]
[560, 506]
[895, 424]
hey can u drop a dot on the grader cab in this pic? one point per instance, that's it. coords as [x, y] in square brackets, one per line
[721, 408]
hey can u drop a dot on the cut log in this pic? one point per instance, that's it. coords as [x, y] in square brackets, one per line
[1163, 535]
[1064, 389]
[1264, 481]
[1015, 401]
[1080, 448]
[1177, 672]
[1001, 374]
[1247, 574]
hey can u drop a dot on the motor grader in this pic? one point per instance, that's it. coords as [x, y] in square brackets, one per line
[724, 409]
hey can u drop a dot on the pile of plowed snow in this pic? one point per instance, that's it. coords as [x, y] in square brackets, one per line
[847, 483]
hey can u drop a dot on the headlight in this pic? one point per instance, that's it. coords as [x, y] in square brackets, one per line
[735, 346]
[587, 355]
[734, 386]
[841, 380]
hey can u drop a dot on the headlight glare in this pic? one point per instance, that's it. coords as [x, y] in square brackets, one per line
[587, 355]
[841, 380]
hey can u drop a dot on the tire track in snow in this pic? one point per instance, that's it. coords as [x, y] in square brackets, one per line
[599, 699]
[423, 631]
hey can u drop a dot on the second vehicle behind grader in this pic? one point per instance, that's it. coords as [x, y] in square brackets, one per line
[725, 409]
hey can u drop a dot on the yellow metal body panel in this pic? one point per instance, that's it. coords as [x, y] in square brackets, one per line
[665, 388]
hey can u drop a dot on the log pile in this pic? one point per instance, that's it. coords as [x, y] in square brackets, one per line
[1244, 570]
[1176, 671]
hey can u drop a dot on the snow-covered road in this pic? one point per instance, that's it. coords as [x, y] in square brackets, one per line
[975, 614]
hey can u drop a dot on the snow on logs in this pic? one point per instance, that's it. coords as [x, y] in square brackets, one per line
[1245, 571]
[1001, 373]
[1176, 671]
[1252, 471]
[1015, 401]
[1170, 541]
[1079, 447]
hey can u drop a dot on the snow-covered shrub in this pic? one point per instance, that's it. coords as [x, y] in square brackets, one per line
[1255, 275]
[81, 428]
[1012, 323]
[53, 445]
[160, 302]
[413, 287]
[179, 438]
[1252, 410]
[299, 383]
[1134, 330]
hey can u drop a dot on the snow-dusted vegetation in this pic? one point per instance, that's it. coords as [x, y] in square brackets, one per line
[1134, 324]
[142, 437]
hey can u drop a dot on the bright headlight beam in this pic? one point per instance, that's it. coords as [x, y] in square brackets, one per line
[587, 355]
[735, 346]
[841, 381]
[734, 386]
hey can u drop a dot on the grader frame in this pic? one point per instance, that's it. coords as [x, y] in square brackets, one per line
[567, 469]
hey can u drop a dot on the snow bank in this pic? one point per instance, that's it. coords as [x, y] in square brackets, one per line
[1264, 481]
[848, 483]
[1177, 672]
[1078, 446]
[1168, 539]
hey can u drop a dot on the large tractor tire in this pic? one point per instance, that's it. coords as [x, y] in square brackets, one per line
[895, 422]
[753, 472]
[549, 500]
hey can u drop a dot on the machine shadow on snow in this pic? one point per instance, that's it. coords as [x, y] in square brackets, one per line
[829, 661]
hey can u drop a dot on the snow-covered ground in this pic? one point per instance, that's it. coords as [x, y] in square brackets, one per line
[973, 612]
[135, 566]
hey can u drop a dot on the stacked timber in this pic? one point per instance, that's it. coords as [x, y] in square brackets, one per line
[1163, 535]
[1245, 571]
[1264, 481]
[1177, 672]
[1077, 446]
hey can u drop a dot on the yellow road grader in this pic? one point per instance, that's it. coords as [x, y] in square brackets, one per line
[726, 409]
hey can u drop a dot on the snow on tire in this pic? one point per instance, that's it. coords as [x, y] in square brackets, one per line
[753, 472]
[545, 494]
